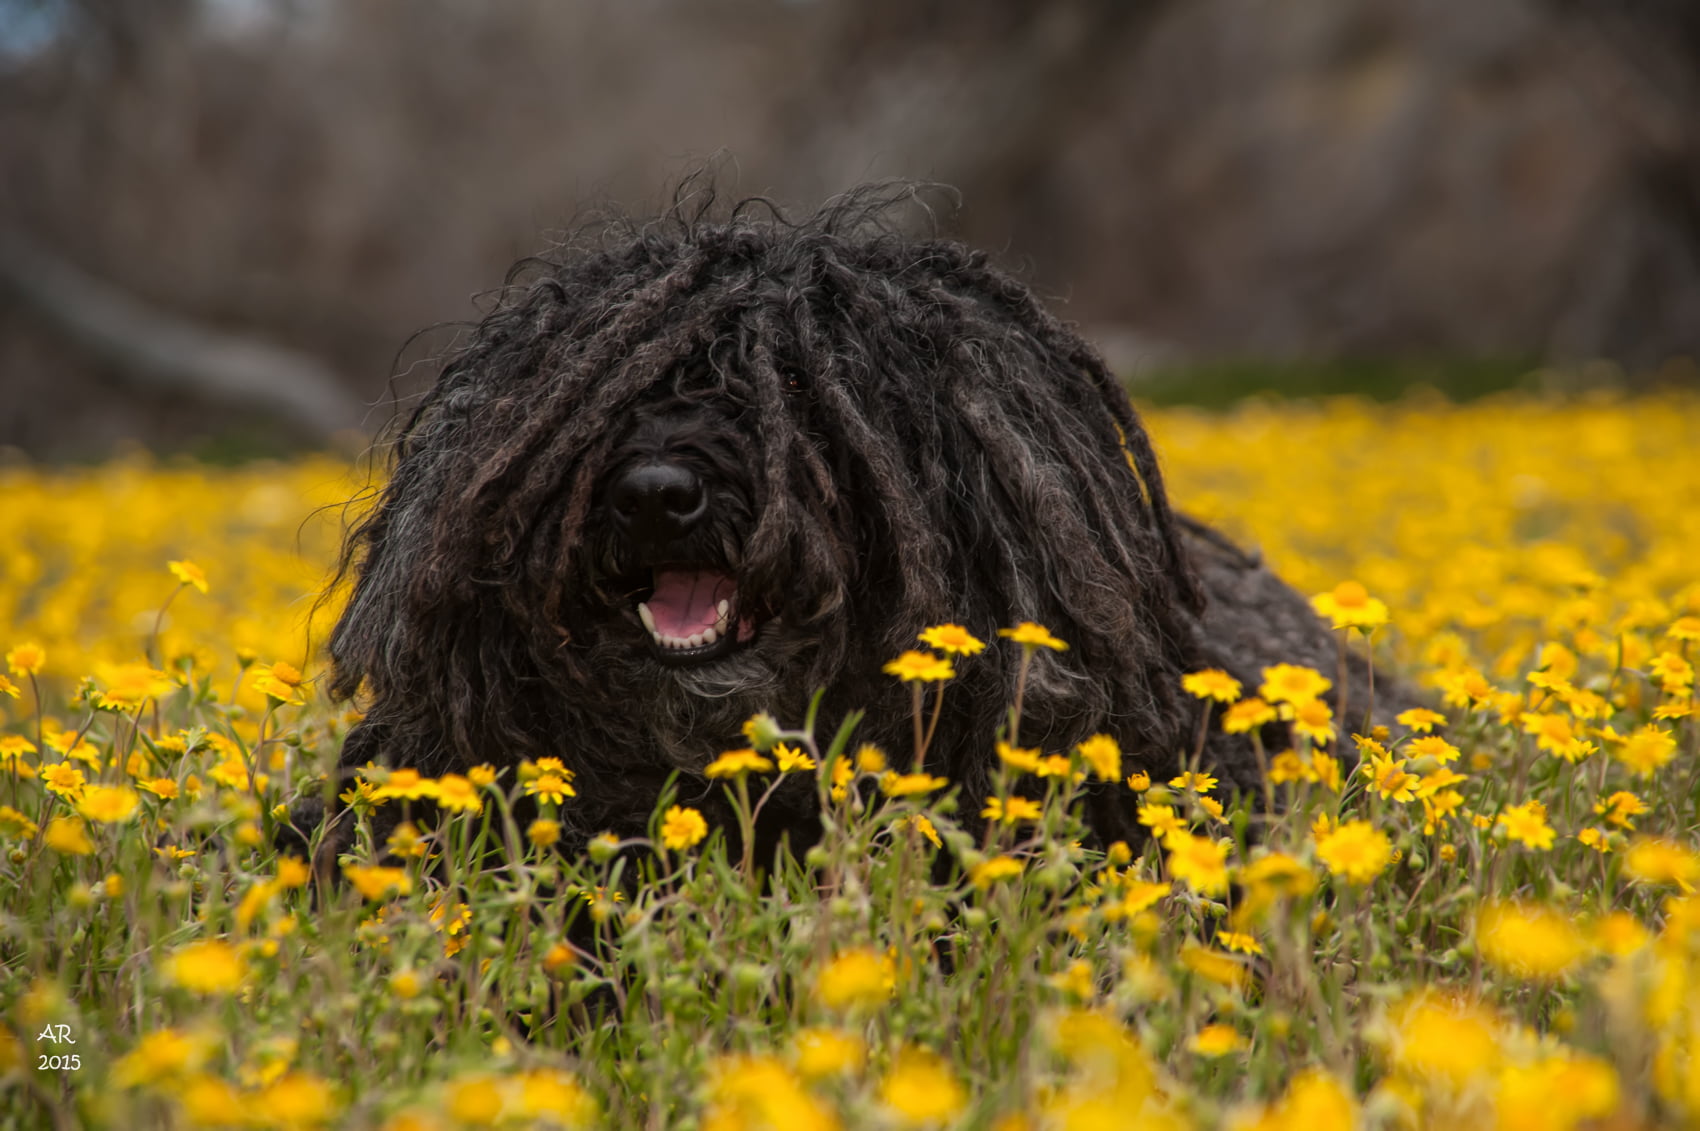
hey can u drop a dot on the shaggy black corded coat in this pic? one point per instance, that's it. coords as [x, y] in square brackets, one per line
[884, 433]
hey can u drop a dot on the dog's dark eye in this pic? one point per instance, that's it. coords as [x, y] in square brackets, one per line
[795, 382]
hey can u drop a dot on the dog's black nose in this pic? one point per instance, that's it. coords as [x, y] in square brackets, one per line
[657, 502]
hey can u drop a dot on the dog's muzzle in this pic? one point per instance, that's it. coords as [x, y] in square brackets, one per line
[691, 613]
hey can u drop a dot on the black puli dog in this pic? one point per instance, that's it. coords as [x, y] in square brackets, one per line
[698, 468]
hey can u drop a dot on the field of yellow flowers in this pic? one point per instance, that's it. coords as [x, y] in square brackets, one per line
[1490, 922]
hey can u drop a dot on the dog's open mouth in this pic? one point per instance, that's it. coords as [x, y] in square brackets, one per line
[692, 615]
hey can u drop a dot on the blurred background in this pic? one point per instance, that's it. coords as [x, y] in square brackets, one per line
[221, 221]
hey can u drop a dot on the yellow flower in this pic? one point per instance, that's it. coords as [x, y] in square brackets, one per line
[407, 785]
[922, 825]
[377, 883]
[209, 967]
[1289, 683]
[109, 804]
[1554, 734]
[1199, 783]
[473, 1099]
[682, 828]
[552, 1096]
[1214, 965]
[1438, 808]
[558, 958]
[1596, 839]
[1653, 860]
[1526, 824]
[160, 1056]
[735, 763]
[543, 832]
[1142, 895]
[7, 687]
[1465, 687]
[1648, 750]
[64, 779]
[952, 639]
[1356, 850]
[552, 787]
[1325, 770]
[1433, 783]
[26, 659]
[829, 1052]
[1287, 766]
[1030, 636]
[1104, 755]
[991, 871]
[407, 841]
[284, 687]
[458, 794]
[128, 686]
[15, 824]
[758, 1092]
[791, 759]
[1211, 683]
[1349, 605]
[1139, 782]
[1011, 811]
[1529, 940]
[1278, 874]
[529, 770]
[1315, 1101]
[1247, 715]
[1446, 1040]
[188, 573]
[920, 667]
[854, 979]
[1389, 778]
[1315, 720]
[920, 1091]
[1620, 934]
[870, 759]
[1162, 820]
[1239, 941]
[1201, 862]
[1077, 980]
[163, 788]
[1056, 766]
[1022, 760]
[1215, 1040]
[894, 784]
[1675, 674]
[292, 873]
[68, 837]
[1621, 809]
[1685, 628]
[1432, 746]
[1560, 1092]
[482, 775]
[1420, 719]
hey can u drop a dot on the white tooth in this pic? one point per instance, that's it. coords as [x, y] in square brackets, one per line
[709, 636]
[656, 636]
[647, 617]
[694, 640]
[725, 607]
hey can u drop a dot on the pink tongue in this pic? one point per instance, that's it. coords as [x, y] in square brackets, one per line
[687, 601]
